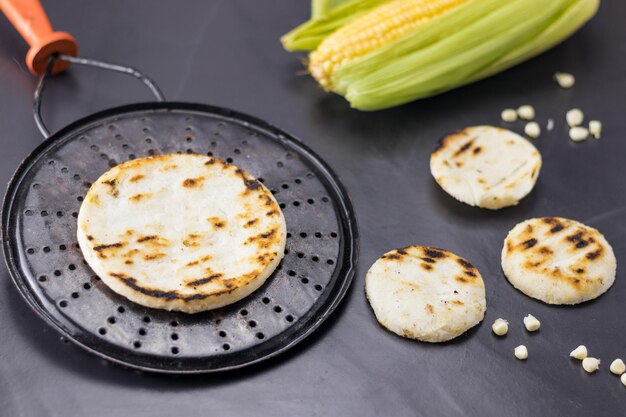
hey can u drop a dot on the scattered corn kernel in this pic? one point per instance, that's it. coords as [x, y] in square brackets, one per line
[579, 353]
[574, 117]
[500, 327]
[531, 323]
[617, 367]
[595, 128]
[623, 379]
[526, 112]
[521, 352]
[532, 129]
[578, 133]
[591, 364]
[565, 79]
[509, 115]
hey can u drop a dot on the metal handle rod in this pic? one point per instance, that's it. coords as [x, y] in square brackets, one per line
[41, 85]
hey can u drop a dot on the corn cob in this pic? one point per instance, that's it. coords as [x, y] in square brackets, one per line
[404, 50]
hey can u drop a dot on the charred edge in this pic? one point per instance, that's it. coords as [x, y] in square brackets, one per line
[249, 183]
[465, 264]
[271, 213]
[147, 238]
[210, 162]
[549, 220]
[203, 281]
[109, 246]
[429, 260]
[167, 295]
[530, 243]
[268, 200]
[461, 279]
[401, 251]
[137, 178]
[465, 147]
[434, 253]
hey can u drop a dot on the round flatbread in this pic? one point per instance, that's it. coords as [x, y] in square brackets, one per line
[425, 293]
[558, 261]
[486, 166]
[181, 232]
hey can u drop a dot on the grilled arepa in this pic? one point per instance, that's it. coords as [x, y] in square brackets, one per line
[181, 232]
[425, 293]
[558, 261]
[486, 166]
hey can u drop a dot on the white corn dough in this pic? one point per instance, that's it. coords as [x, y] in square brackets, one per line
[181, 232]
[595, 128]
[526, 112]
[425, 293]
[623, 379]
[564, 79]
[486, 166]
[509, 115]
[531, 323]
[500, 327]
[558, 261]
[617, 367]
[578, 133]
[521, 352]
[591, 364]
[574, 117]
[532, 129]
[579, 353]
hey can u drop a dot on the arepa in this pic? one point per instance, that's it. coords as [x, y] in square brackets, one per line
[486, 166]
[425, 293]
[181, 232]
[558, 261]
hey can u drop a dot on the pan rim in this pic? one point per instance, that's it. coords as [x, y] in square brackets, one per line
[345, 211]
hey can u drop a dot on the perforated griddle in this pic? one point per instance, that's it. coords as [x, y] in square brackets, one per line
[39, 239]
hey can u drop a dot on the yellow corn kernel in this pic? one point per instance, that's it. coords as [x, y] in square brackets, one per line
[382, 25]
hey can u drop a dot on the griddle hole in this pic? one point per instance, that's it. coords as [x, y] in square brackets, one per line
[111, 320]
[252, 323]
[318, 235]
[72, 267]
[298, 181]
[175, 350]
[222, 333]
[64, 170]
[265, 300]
[173, 323]
[57, 273]
[291, 273]
[226, 346]
[278, 309]
[318, 287]
[131, 156]
[209, 153]
[83, 139]
[229, 160]
[30, 251]
[261, 180]
[44, 213]
[36, 186]
[87, 286]
[274, 191]
[102, 331]
[286, 251]
[142, 332]
[244, 312]
[76, 177]
[333, 234]
[288, 155]
[300, 255]
[237, 151]
[75, 295]
[213, 143]
[289, 318]
[151, 152]
[188, 138]
[46, 249]
[330, 261]
[51, 162]
[124, 146]
[304, 280]
[63, 303]
[121, 310]
[137, 344]
[148, 140]
[62, 247]
[104, 156]
[282, 205]
[28, 212]
[260, 336]
[288, 235]
[303, 235]
[325, 199]
[280, 164]
[146, 319]
[42, 278]
[118, 137]
[315, 258]
[285, 186]
[80, 198]
[310, 201]
[174, 336]
[188, 129]
[94, 147]
[296, 203]
[310, 175]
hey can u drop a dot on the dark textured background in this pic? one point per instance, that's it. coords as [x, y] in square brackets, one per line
[227, 53]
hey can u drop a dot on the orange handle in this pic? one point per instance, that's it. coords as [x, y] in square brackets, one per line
[29, 18]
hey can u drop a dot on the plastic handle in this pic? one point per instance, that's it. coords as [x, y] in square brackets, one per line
[29, 18]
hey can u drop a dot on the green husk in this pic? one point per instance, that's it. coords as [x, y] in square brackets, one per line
[443, 55]
[310, 34]
[320, 8]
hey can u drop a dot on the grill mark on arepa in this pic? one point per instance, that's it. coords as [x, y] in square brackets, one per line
[250, 223]
[100, 248]
[529, 243]
[112, 183]
[204, 280]
[137, 177]
[217, 222]
[249, 183]
[147, 238]
[153, 256]
[167, 295]
[138, 197]
[465, 147]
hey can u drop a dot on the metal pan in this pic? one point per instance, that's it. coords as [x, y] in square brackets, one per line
[44, 196]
